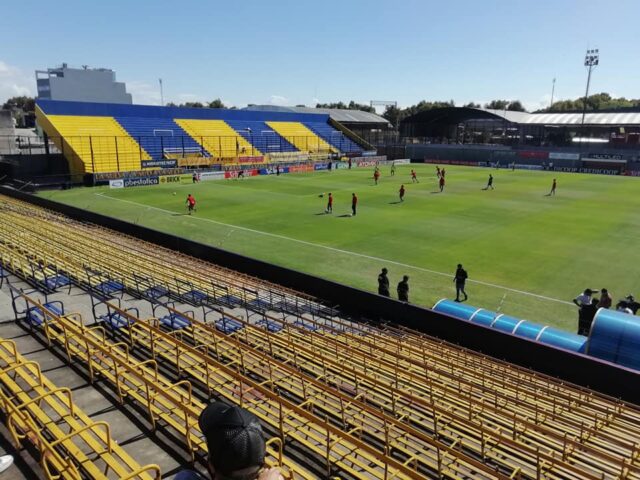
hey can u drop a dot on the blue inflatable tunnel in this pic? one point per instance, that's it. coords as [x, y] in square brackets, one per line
[615, 336]
[527, 329]
[561, 339]
[483, 317]
[505, 323]
[455, 309]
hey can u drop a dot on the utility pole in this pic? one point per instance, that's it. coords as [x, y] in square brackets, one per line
[553, 89]
[161, 93]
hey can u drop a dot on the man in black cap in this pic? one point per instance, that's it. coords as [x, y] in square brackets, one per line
[403, 289]
[460, 278]
[383, 283]
[236, 445]
[584, 303]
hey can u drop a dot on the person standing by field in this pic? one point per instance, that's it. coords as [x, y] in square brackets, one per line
[401, 193]
[403, 289]
[354, 204]
[191, 203]
[383, 283]
[460, 278]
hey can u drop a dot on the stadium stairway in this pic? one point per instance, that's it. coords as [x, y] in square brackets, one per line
[261, 136]
[158, 136]
[218, 138]
[302, 137]
[334, 137]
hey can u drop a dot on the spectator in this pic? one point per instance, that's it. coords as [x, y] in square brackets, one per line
[460, 278]
[605, 299]
[632, 304]
[403, 289]
[236, 445]
[585, 316]
[383, 283]
[623, 306]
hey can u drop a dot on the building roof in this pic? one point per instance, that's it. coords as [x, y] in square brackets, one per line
[460, 114]
[337, 114]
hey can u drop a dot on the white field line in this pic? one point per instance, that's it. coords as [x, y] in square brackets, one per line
[333, 249]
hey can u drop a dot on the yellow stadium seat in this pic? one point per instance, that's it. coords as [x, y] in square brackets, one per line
[301, 137]
[218, 138]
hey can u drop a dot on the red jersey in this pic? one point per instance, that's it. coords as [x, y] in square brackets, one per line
[442, 180]
[330, 200]
[191, 200]
[401, 191]
[413, 174]
[354, 200]
[376, 174]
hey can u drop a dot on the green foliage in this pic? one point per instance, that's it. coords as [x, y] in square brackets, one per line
[217, 103]
[26, 104]
[350, 106]
[597, 101]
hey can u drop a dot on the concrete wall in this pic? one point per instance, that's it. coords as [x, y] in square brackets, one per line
[81, 85]
[7, 133]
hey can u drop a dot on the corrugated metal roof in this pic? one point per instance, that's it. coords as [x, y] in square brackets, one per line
[593, 118]
[338, 114]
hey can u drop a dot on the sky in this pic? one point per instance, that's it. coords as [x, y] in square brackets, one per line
[289, 52]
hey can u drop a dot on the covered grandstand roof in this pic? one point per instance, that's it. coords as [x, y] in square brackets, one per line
[461, 114]
[337, 114]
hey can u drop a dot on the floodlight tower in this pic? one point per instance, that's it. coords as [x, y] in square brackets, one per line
[591, 60]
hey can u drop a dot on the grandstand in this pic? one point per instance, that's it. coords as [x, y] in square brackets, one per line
[98, 138]
[339, 397]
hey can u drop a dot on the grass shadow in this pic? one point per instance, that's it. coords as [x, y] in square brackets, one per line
[396, 202]
[346, 215]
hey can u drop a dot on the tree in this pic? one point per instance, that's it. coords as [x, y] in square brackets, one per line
[497, 104]
[217, 103]
[24, 103]
[516, 106]
[393, 114]
[351, 106]
[472, 105]
[192, 105]
[301, 105]
[597, 101]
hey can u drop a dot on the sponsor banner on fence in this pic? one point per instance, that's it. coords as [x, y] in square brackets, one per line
[300, 168]
[116, 183]
[451, 162]
[533, 154]
[273, 171]
[563, 156]
[245, 173]
[528, 167]
[182, 179]
[502, 154]
[321, 166]
[602, 157]
[340, 165]
[141, 181]
[206, 176]
[632, 173]
[401, 161]
[599, 171]
[256, 159]
[159, 163]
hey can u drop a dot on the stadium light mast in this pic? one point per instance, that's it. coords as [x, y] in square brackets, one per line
[591, 60]
[553, 90]
[161, 93]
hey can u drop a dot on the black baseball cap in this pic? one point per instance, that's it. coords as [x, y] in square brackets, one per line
[235, 440]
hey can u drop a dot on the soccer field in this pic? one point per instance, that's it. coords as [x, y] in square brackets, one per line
[527, 254]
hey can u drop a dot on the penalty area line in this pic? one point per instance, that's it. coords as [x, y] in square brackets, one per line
[339, 250]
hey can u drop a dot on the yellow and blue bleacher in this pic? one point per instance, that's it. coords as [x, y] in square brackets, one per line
[102, 137]
[261, 136]
[158, 136]
[333, 137]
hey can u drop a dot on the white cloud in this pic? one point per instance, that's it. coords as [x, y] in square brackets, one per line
[278, 100]
[15, 82]
[144, 93]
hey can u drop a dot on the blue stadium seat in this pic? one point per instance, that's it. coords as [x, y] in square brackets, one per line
[57, 281]
[35, 315]
[157, 134]
[334, 137]
[109, 287]
[269, 325]
[228, 325]
[175, 321]
[195, 297]
[261, 136]
[155, 292]
[115, 320]
[308, 326]
[259, 304]
[229, 300]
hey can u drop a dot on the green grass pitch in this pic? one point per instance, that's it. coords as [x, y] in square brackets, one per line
[527, 254]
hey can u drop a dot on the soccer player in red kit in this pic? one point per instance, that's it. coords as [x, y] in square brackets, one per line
[354, 204]
[442, 181]
[437, 171]
[402, 193]
[191, 203]
[414, 177]
[442, 172]
[330, 204]
[376, 175]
